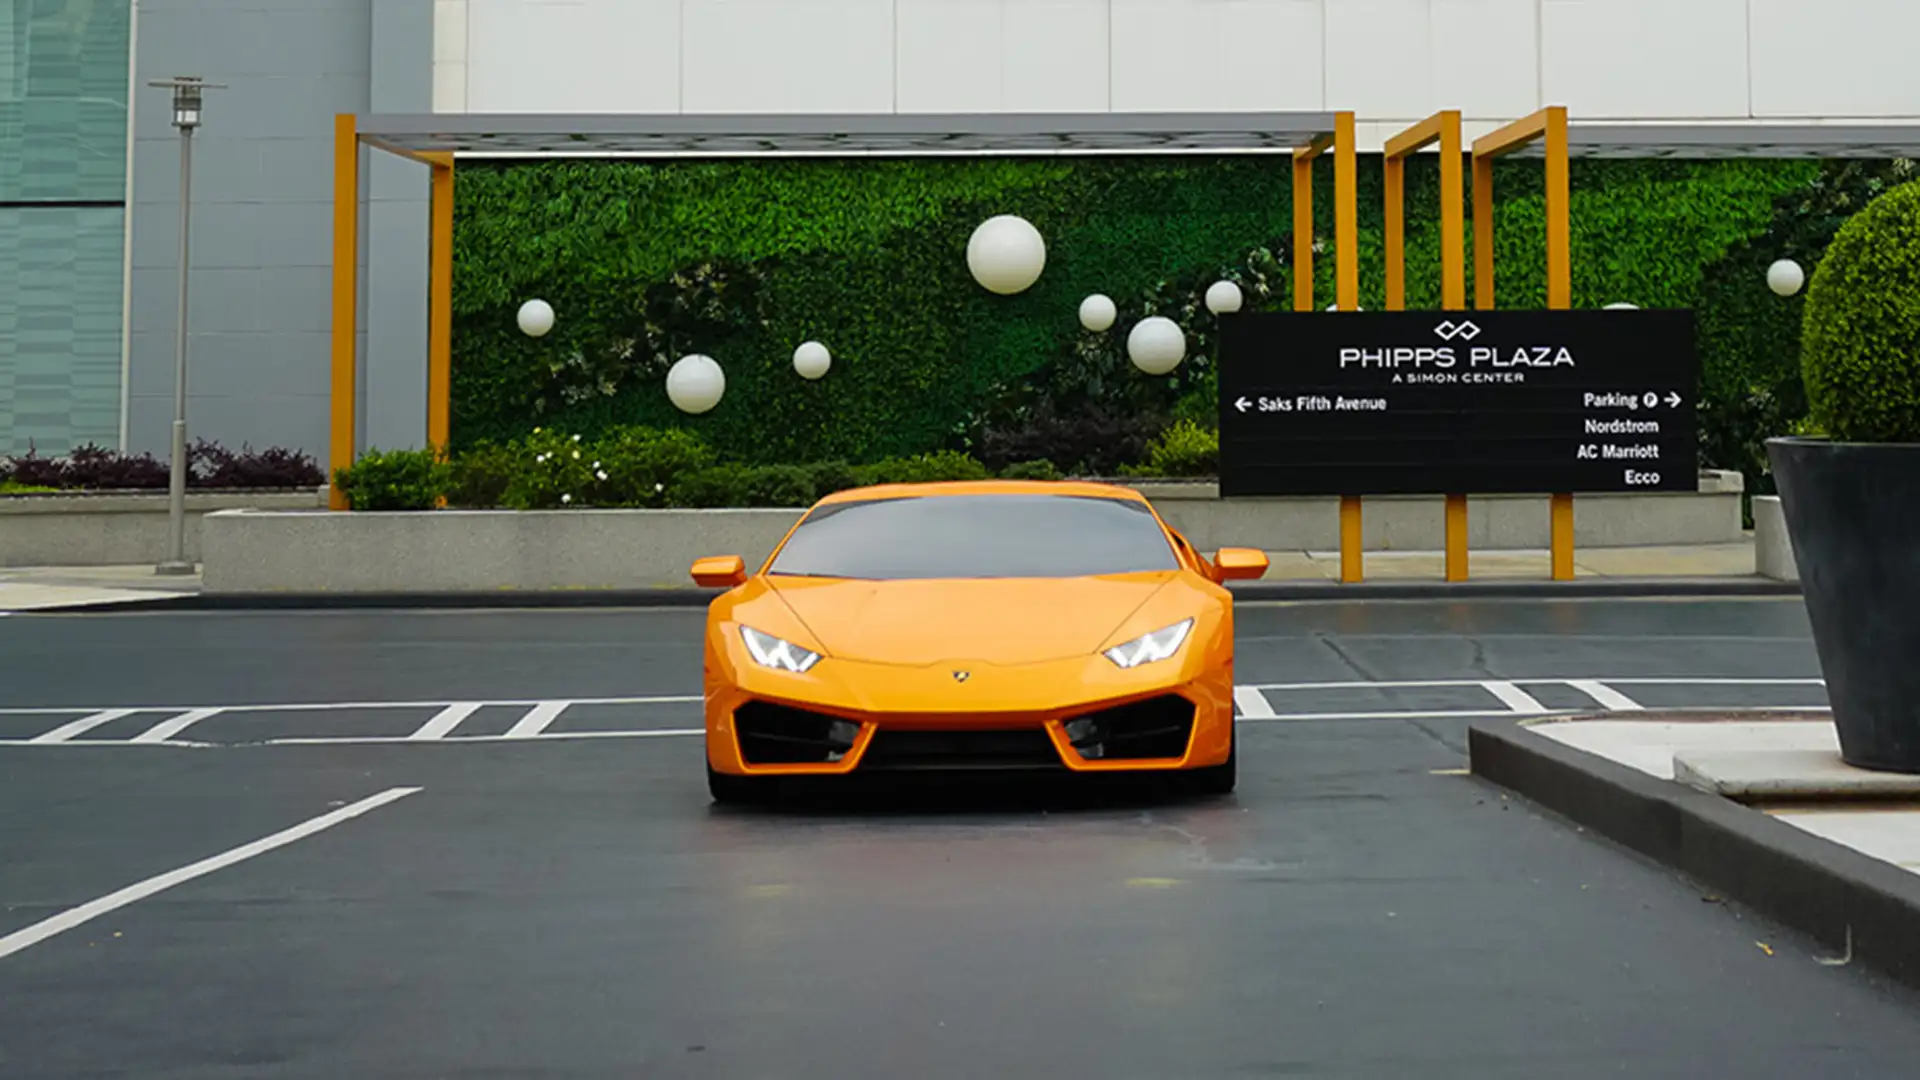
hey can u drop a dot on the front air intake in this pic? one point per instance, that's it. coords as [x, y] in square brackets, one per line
[1158, 727]
[772, 734]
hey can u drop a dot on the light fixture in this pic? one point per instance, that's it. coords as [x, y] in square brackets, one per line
[812, 360]
[1785, 277]
[1224, 298]
[535, 318]
[695, 383]
[1156, 345]
[1097, 313]
[1006, 254]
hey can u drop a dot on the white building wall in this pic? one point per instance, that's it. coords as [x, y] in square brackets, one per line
[1391, 61]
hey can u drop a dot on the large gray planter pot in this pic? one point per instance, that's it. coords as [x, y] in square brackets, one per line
[1853, 514]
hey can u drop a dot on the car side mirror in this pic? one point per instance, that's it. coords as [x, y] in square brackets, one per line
[1237, 564]
[720, 571]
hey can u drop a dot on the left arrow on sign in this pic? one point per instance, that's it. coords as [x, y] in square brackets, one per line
[1242, 404]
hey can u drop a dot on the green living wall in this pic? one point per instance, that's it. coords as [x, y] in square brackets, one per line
[744, 260]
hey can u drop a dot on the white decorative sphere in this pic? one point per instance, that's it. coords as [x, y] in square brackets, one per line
[1223, 298]
[812, 360]
[536, 318]
[1098, 313]
[1622, 307]
[695, 383]
[1785, 277]
[1336, 307]
[1157, 345]
[1006, 254]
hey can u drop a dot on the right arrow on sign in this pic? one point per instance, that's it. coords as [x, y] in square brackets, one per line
[1673, 399]
[1242, 404]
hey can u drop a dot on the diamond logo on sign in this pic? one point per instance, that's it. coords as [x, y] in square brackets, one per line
[1450, 330]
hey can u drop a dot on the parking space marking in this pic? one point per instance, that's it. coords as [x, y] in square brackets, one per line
[68, 731]
[537, 719]
[1514, 698]
[168, 728]
[1253, 704]
[93, 909]
[445, 720]
[279, 724]
[1605, 696]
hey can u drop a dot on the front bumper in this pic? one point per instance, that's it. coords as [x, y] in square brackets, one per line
[1081, 715]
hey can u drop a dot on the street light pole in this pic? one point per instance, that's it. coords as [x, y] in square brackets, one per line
[186, 117]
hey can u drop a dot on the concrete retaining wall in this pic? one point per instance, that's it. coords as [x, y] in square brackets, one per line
[483, 550]
[1416, 522]
[1772, 547]
[120, 529]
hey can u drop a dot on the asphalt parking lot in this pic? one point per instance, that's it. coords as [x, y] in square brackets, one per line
[386, 844]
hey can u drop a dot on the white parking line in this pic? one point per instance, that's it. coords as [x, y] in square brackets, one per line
[83, 725]
[167, 729]
[1606, 696]
[537, 719]
[93, 909]
[330, 706]
[1514, 698]
[1253, 704]
[445, 720]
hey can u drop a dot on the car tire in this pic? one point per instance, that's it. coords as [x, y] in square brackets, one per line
[730, 790]
[1216, 779]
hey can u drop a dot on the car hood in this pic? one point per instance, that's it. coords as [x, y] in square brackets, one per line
[995, 621]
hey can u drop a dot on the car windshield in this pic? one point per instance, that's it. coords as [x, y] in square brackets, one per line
[977, 536]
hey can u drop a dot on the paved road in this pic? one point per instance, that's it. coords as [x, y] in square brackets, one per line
[555, 906]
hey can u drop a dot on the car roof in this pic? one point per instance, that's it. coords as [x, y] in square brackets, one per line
[1079, 488]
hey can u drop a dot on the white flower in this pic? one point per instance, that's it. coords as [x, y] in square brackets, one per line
[597, 465]
[566, 499]
[540, 457]
[602, 475]
[576, 438]
[659, 487]
[576, 455]
[536, 431]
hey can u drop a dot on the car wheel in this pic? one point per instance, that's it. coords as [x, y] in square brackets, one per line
[732, 790]
[1216, 779]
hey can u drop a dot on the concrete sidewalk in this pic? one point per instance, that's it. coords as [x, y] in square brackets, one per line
[1755, 806]
[1789, 768]
[52, 588]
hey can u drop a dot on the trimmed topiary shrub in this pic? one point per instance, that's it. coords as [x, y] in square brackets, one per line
[1185, 449]
[1860, 343]
[393, 480]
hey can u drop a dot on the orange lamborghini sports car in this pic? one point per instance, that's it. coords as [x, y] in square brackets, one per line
[972, 625]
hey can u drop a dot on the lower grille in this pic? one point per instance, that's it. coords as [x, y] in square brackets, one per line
[1158, 727]
[1027, 748]
[773, 734]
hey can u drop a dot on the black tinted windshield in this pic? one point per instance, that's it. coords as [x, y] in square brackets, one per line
[977, 536]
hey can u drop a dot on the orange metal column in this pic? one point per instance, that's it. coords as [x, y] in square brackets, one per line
[440, 309]
[346, 291]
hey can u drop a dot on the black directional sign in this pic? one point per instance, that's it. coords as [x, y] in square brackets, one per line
[1482, 402]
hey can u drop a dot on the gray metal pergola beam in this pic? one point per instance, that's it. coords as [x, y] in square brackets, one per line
[892, 134]
[1727, 141]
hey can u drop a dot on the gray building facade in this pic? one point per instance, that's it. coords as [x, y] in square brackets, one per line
[89, 221]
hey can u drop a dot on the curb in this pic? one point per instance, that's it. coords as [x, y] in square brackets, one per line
[688, 597]
[1847, 901]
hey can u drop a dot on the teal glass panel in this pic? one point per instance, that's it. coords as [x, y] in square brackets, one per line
[59, 327]
[63, 100]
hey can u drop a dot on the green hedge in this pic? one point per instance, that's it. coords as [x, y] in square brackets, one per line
[1862, 337]
[629, 467]
[645, 262]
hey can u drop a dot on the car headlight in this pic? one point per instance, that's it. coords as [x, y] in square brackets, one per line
[1147, 648]
[773, 652]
